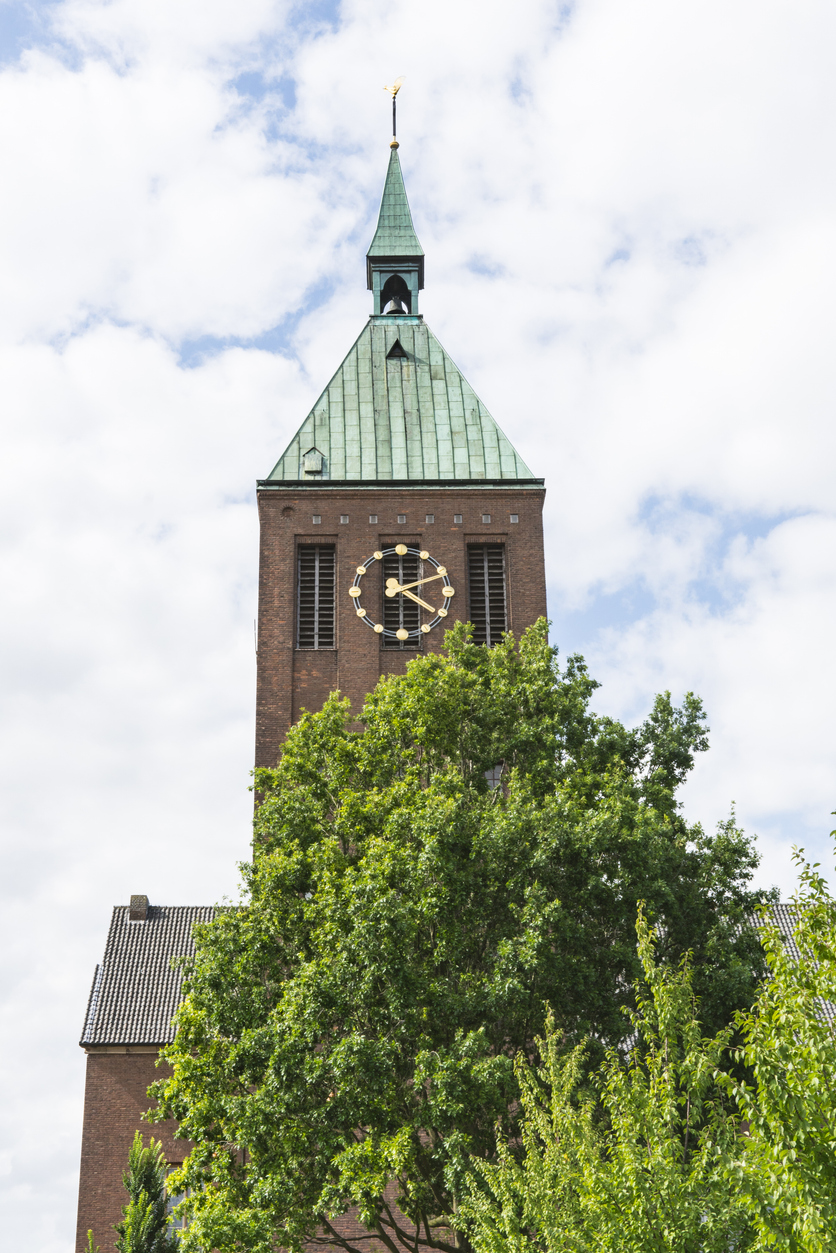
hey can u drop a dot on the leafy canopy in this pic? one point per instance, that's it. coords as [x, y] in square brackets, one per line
[788, 1173]
[349, 1033]
[639, 1160]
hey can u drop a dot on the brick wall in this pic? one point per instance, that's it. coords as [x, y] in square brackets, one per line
[115, 1097]
[291, 679]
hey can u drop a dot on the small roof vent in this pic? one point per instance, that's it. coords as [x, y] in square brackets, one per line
[312, 461]
[397, 350]
[138, 909]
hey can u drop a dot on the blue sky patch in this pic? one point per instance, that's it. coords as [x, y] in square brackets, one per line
[484, 266]
[309, 14]
[620, 254]
[278, 338]
[690, 251]
[22, 26]
[577, 630]
[656, 513]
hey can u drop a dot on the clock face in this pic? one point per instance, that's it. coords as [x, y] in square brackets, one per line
[419, 588]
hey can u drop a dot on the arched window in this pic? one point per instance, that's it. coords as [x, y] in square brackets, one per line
[396, 296]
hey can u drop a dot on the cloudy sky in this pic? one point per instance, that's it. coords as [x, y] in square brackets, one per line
[627, 210]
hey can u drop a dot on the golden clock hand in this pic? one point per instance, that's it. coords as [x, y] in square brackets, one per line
[417, 600]
[417, 583]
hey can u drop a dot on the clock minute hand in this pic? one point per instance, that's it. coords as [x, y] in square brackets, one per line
[417, 599]
[419, 582]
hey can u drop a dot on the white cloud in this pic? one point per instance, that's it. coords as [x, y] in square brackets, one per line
[627, 219]
[201, 33]
[761, 660]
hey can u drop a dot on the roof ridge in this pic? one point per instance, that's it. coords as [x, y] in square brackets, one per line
[151, 905]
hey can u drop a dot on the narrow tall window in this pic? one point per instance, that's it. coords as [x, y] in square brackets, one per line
[172, 1199]
[486, 590]
[315, 567]
[398, 611]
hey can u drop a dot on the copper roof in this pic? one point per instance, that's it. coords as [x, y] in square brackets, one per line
[395, 235]
[402, 416]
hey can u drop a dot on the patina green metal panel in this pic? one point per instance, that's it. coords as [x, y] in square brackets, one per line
[412, 417]
[395, 235]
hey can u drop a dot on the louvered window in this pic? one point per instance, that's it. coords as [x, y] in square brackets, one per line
[315, 596]
[398, 611]
[486, 588]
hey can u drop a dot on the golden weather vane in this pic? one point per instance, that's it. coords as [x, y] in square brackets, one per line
[393, 91]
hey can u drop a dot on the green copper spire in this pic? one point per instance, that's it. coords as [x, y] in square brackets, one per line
[395, 235]
[398, 410]
[395, 260]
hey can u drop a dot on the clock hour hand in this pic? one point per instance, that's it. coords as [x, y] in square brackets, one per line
[417, 600]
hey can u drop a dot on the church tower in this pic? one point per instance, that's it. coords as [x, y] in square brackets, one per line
[398, 508]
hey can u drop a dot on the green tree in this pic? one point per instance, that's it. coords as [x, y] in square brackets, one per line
[788, 1172]
[349, 1032]
[638, 1160]
[145, 1223]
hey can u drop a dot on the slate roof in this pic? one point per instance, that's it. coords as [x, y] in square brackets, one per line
[785, 918]
[395, 235]
[135, 992]
[411, 417]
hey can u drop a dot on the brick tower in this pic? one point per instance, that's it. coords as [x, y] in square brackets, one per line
[398, 508]
[398, 478]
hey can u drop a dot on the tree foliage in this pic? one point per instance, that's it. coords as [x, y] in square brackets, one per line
[648, 1156]
[788, 1172]
[145, 1223]
[639, 1160]
[349, 1033]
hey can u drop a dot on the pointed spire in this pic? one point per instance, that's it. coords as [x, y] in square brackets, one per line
[395, 235]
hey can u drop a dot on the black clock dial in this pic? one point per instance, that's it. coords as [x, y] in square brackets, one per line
[424, 600]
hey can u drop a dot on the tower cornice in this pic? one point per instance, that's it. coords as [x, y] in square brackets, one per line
[403, 485]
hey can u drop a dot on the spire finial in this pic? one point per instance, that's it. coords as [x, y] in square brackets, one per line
[393, 91]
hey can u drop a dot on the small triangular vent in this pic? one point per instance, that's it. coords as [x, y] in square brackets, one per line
[397, 350]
